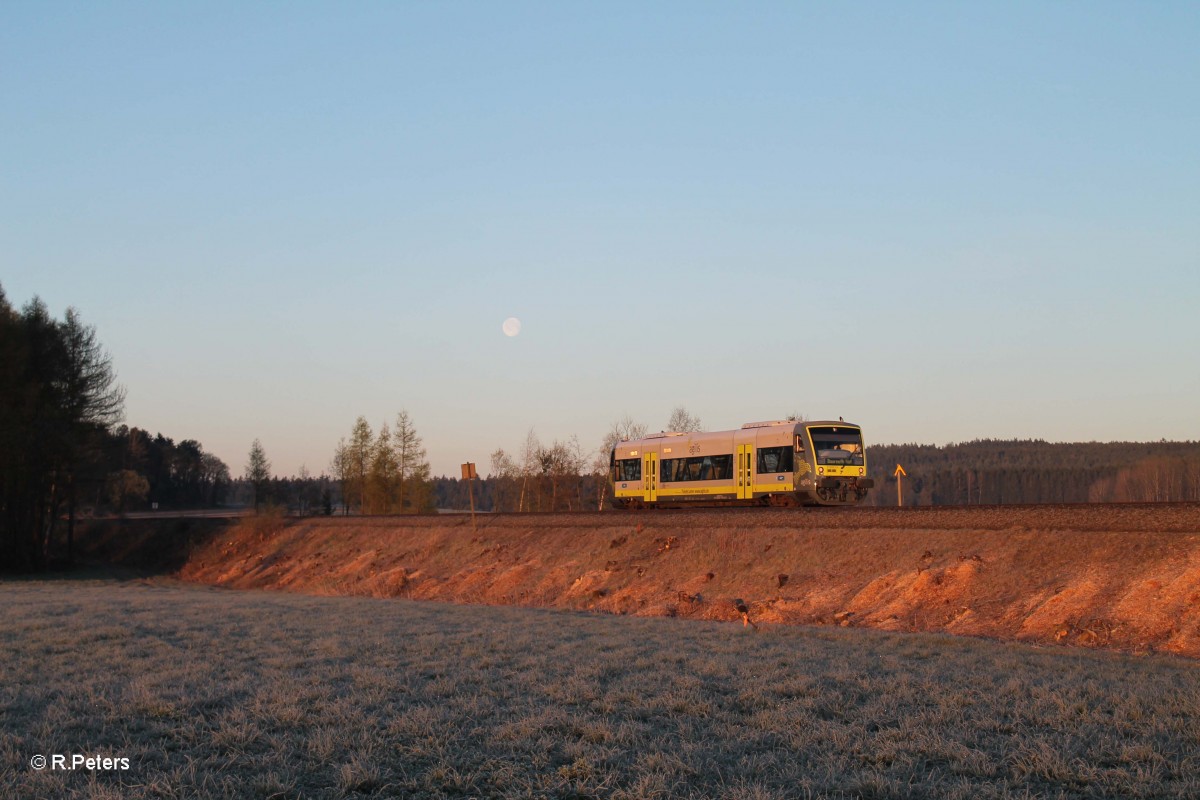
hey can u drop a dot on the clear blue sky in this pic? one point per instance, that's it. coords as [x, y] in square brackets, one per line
[942, 221]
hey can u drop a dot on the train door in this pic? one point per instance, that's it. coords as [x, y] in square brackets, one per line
[745, 471]
[650, 477]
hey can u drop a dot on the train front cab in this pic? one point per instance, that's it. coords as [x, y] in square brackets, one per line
[833, 466]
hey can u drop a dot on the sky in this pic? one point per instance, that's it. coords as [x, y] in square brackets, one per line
[942, 221]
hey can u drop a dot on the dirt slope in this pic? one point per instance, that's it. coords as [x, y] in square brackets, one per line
[1124, 577]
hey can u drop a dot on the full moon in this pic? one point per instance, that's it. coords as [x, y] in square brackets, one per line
[511, 326]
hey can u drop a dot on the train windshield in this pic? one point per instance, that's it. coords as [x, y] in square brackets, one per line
[837, 445]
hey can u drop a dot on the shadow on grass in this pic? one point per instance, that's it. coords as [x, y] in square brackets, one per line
[133, 547]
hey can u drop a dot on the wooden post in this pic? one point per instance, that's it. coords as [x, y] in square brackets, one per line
[469, 475]
[471, 494]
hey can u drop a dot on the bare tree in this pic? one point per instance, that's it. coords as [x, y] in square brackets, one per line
[530, 466]
[504, 474]
[412, 468]
[340, 468]
[384, 475]
[358, 454]
[683, 422]
[623, 430]
[303, 492]
[562, 463]
[1192, 479]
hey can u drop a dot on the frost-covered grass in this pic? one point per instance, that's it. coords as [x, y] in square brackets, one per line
[218, 693]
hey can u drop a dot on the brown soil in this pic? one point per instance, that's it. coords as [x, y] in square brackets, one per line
[1124, 577]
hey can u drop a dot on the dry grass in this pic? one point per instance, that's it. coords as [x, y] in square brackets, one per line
[219, 693]
[1122, 576]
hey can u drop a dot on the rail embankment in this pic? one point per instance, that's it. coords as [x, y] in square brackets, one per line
[1121, 577]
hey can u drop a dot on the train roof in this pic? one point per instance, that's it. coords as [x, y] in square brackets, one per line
[747, 426]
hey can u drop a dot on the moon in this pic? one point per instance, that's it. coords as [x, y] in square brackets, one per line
[511, 326]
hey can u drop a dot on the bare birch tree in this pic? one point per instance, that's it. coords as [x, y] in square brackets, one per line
[683, 422]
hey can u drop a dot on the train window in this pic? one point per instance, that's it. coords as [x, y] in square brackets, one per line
[837, 445]
[775, 459]
[698, 468]
[723, 467]
[629, 469]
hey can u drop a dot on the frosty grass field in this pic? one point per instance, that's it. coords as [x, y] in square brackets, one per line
[222, 693]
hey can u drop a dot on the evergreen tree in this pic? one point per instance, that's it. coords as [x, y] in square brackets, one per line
[58, 398]
[258, 472]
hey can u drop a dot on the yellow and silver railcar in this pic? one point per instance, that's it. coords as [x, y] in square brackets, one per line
[781, 463]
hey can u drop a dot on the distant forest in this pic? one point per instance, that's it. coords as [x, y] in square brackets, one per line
[992, 471]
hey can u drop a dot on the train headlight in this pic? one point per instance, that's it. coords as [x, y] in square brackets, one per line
[820, 470]
[862, 470]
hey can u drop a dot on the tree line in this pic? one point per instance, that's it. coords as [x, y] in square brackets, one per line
[383, 473]
[62, 451]
[992, 471]
[148, 471]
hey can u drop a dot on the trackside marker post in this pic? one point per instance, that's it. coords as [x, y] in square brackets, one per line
[900, 473]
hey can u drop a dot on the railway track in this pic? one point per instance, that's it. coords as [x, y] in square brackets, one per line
[1169, 517]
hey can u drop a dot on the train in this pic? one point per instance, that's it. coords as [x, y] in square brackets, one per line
[775, 463]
